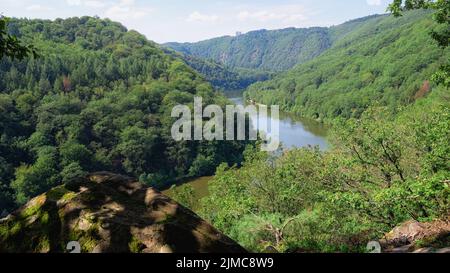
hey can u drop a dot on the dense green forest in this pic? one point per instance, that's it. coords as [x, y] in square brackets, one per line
[97, 98]
[384, 60]
[265, 50]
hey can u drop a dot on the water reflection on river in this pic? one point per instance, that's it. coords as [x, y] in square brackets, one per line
[295, 132]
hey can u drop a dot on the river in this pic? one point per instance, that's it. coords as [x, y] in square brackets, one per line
[295, 132]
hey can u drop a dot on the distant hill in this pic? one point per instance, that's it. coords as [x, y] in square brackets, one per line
[378, 60]
[235, 62]
[269, 50]
[221, 77]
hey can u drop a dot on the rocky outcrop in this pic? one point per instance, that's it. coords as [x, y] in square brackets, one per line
[105, 212]
[413, 236]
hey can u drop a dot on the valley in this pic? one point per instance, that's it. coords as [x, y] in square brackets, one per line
[87, 139]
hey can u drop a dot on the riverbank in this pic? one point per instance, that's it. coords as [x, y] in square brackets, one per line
[295, 132]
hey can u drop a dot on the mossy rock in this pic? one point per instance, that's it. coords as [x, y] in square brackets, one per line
[105, 212]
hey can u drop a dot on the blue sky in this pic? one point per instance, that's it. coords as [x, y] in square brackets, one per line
[194, 20]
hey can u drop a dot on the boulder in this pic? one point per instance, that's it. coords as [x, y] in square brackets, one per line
[105, 212]
[413, 236]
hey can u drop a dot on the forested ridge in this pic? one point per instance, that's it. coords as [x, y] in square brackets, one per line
[386, 60]
[265, 50]
[271, 50]
[221, 77]
[98, 97]
[307, 59]
[233, 63]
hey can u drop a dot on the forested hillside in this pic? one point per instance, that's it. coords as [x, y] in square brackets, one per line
[220, 76]
[384, 60]
[98, 98]
[266, 50]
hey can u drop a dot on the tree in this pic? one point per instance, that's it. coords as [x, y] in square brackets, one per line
[37, 178]
[10, 46]
[73, 152]
[135, 147]
[375, 144]
[202, 166]
[185, 195]
[72, 171]
[6, 194]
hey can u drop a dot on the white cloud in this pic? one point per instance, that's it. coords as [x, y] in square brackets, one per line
[373, 2]
[126, 9]
[73, 2]
[87, 3]
[285, 14]
[127, 2]
[94, 4]
[114, 9]
[199, 17]
[38, 8]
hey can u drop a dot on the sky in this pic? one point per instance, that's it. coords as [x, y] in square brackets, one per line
[194, 20]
